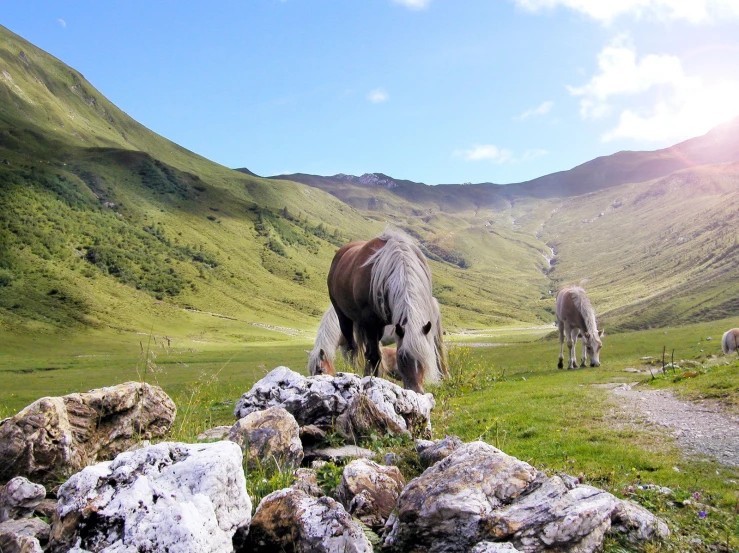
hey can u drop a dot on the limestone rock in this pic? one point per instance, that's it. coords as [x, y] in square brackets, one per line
[338, 454]
[306, 480]
[214, 434]
[31, 527]
[167, 497]
[46, 508]
[494, 547]
[269, 436]
[14, 543]
[19, 498]
[55, 436]
[316, 400]
[369, 491]
[311, 435]
[556, 518]
[478, 493]
[439, 450]
[321, 399]
[637, 524]
[363, 418]
[447, 508]
[291, 520]
[23, 536]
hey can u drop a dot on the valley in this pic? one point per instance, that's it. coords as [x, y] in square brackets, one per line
[124, 256]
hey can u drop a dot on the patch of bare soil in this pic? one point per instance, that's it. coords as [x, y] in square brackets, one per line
[698, 428]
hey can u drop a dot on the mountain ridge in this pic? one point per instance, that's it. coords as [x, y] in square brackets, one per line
[106, 224]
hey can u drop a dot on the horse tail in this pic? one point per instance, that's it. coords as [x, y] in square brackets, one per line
[442, 361]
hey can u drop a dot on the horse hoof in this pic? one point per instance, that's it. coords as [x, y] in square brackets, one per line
[560, 365]
[582, 365]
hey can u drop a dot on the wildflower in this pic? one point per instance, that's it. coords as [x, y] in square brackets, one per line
[696, 496]
[702, 514]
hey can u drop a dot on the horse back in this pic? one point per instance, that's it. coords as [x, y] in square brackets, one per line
[349, 278]
[566, 309]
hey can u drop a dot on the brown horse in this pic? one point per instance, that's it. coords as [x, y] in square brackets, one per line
[575, 315]
[387, 281]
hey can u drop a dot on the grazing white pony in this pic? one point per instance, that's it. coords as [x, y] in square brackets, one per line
[575, 316]
[329, 338]
[730, 341]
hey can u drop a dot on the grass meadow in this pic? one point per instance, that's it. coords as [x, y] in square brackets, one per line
[505, 390]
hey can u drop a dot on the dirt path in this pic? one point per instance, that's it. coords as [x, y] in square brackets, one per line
[699, 428]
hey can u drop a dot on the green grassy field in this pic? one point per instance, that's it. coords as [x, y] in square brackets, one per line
[511, 396]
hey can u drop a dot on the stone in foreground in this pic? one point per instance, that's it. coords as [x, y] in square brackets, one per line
[291, 520]
[269, 436]
[369, 491]
[478, 494]
[19, 498]
[57, 436]
[174, 497]
[321, 399]
[448, 507]
[23, 535]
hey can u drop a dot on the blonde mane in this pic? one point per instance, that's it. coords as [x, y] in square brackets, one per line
[400, 289]
[327, 339]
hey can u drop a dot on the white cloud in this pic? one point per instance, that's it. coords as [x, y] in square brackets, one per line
[62, 23]
[655, 99]
[541, 109]
[490, 152]
[621, 73]
[377, 96]
[694, 11]
[414, 4]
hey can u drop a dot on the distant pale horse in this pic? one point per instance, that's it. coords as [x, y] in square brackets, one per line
[381, 282]
[575, 316]
[730, 340]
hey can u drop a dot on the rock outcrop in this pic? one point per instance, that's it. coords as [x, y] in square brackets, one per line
[321, 399]
[56, 436]
[19, 498]
[269, 436]
[291, 520]
[478, 493]
[438, 450]
[369, 491]
[27, 535]
[166, 497]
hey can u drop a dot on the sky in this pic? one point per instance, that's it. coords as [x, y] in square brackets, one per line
[435, 91]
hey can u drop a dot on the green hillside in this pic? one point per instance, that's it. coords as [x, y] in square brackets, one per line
[105, 224]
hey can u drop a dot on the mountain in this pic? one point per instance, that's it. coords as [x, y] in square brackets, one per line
[105, 224]
[649, 232]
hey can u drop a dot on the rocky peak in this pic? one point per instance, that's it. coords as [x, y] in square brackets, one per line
[369, 179]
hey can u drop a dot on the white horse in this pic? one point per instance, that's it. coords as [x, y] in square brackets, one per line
[329, 338]
[730, 341]
[575, 315]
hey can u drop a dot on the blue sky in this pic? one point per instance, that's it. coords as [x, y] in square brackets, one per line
[437, 91]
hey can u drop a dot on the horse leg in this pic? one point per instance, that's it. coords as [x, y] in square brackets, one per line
[372, 354]
[582, 357]
[347, 331]
[571, 343]
[561, 326]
